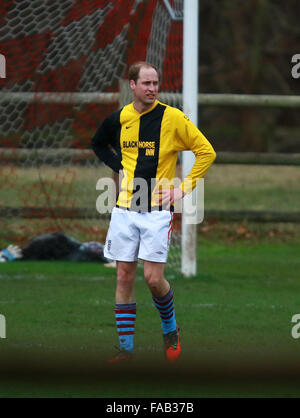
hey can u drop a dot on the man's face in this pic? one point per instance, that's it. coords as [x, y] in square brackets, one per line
[145, 90]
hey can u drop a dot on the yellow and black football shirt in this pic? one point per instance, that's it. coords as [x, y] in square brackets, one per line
[145, 145]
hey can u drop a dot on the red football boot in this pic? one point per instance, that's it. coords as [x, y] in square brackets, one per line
[121, 357]
[172, 346]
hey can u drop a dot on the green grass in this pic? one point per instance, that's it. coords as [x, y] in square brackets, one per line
[227, 187]
[250, 187]
[239, 306]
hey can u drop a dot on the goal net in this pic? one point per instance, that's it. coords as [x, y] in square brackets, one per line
[66, 62]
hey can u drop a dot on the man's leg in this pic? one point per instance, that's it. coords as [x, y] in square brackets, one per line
[162, 296]
[154, 276]
[125, 312]
[126, 272]
[122, 241]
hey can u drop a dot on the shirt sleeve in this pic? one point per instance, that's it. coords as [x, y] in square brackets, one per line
[104, 142]
[189, 138]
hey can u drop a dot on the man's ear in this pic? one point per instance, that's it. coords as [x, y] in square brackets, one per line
[132, 84]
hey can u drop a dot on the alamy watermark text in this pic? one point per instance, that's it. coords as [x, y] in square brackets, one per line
[296, 68]
[2, 326]
[135, 193]
[296, 327]
[2, 66]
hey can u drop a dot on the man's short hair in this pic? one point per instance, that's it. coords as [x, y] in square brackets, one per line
[134, 70]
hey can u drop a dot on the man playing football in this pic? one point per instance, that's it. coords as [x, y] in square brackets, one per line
[141, 142]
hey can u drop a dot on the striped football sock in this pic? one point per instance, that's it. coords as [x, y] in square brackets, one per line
[166, 310]
[125, 319]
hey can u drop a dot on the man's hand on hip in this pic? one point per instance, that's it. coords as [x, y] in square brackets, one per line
[169, 196]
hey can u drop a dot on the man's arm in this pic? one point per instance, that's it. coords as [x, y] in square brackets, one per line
[102, 142]
[190, 138]
[187, 137]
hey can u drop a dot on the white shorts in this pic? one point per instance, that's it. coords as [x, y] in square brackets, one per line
[132, 235]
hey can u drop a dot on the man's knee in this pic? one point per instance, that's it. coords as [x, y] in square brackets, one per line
[154, 279]
[125, 273]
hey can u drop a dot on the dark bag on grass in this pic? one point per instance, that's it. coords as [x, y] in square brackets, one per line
[58, 246]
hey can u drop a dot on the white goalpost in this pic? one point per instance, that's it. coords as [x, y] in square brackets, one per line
[189, 15]
[190, 108]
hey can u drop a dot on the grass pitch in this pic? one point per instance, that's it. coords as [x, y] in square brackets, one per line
[227, 187]
[235, 318]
